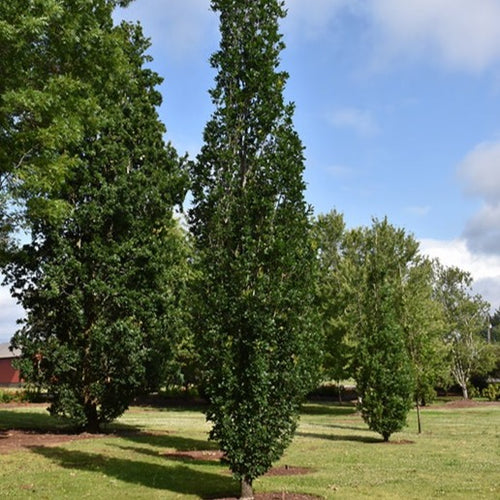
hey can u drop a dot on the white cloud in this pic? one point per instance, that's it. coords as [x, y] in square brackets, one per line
[485, 269]
[464, 34]
[179, 28]
[480, 171]
[359, 120]
[312, 18]
[482, 231]
[480, 174]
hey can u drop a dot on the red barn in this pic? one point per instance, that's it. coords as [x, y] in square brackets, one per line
[8, 374]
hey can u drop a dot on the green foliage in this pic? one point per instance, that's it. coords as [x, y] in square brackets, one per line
[332, 296]
[492, 392]
[424, 326]
[253, 310]
[379, 257]
[466, 317]
[10, 396]
[494, 328]
[102, 282]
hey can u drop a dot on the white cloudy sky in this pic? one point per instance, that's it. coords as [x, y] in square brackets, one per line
[397, 103]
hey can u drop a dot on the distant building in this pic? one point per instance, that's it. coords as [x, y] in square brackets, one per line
[9, 376]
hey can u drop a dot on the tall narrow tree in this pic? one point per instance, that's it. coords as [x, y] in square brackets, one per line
[99, 278]
[381, 255]
[254, 323]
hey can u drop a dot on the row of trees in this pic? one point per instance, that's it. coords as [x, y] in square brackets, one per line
[85, 173]
[395, 321]
[119, 297]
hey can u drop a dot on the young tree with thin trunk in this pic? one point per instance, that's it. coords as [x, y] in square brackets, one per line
[423, 324]
[254, 318]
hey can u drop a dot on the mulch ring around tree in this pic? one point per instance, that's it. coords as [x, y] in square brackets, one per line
[14, 440]
[284, 470]
[277, 496]
[206, 455]
[218, 456]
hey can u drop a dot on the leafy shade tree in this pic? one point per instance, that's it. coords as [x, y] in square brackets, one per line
[466, 317]
[254, 317]
[379, 257]
[102, 280]
[43, 104]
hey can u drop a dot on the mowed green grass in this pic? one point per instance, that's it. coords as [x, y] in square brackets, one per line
[456, 457]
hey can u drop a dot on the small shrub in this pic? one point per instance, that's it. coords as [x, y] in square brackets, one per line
[473, 391]
[491, 392]
[8, 396]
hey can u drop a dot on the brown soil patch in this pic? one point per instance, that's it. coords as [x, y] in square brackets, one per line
[401, 441]
[217, 455]
[277, 496]
[288, 470]
[465, 403]
[208, 455]
[14, 440]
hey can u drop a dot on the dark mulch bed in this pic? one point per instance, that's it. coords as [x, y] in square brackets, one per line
[14, 440]
[208, 455]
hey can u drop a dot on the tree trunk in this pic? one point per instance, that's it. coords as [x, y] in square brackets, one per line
[465, 392]
[246, 490]
[418, 416]
[92, 424]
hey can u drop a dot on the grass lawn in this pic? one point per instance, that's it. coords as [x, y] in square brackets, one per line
[456, 457]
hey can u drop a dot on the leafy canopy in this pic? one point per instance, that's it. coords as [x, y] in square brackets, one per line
[250, 222]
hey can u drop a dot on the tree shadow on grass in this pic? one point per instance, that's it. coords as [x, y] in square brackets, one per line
[165, 440]
[179, 479]
[336, 437]
[346, 427]
[332, 409]
[177, 455]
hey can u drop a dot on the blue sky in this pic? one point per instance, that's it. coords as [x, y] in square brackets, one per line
[397, 104]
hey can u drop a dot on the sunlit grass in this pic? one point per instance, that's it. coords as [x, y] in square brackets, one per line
[456, 457]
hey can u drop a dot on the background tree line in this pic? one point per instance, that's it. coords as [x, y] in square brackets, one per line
[395, 321]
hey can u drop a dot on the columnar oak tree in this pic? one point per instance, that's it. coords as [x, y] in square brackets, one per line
[254, 325]
[380, 256]
[100, 277]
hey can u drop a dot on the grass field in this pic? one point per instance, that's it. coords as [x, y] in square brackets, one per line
[456, 457]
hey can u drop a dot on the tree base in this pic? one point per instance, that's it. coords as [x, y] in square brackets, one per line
[246, 490]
